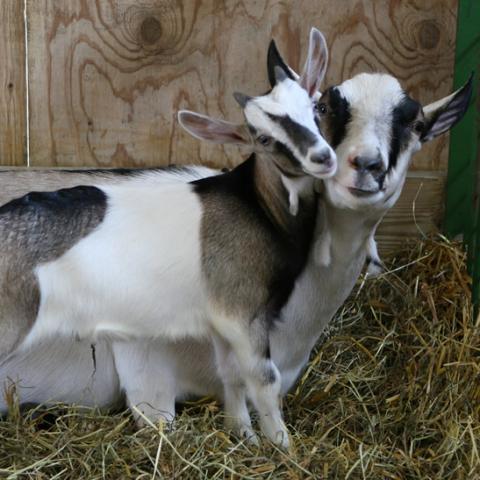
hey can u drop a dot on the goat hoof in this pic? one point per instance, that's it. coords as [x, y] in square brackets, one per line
[250, 437]
[374, 269]
[143, 420]
[276, 432]
[282, 440]
[242, 431]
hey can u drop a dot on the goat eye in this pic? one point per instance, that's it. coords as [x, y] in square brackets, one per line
[264, 140]
[321, 108]
[418, 127]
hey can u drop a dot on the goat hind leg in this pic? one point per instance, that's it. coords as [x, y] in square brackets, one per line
[148, 380]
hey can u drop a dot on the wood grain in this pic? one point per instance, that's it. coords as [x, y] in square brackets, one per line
[108, 76]
[12, 84]
[418, 212]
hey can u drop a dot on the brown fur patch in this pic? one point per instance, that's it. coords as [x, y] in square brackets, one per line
[252, 248]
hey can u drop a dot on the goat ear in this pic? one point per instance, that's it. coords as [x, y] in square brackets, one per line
[212, 129]
[275, 60]
[443, 114]
[316, 64]
[241, 98]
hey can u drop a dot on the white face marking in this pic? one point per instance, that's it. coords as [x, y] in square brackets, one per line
[295, 186]
[371, 99]
[288, 99]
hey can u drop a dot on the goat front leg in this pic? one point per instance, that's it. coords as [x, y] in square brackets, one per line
[148, 379]
[249, 343]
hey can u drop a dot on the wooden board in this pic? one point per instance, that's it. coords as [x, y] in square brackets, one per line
[12, 84]
[106, 78]
[418, 212]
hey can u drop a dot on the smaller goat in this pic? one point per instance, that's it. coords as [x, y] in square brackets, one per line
[218, 256]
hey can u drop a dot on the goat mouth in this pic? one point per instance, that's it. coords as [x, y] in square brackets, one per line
[360, 192]
[322, 172]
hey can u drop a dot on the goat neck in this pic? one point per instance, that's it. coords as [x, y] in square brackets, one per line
[275, 188]
[322, 287]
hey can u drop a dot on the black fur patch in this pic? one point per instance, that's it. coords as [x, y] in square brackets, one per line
[338, 116]
[403, 116]
[299, 135]
[282, 149]
[269, 376]
[46, 224]
[374, 262]
[274, 59]
[58, 201]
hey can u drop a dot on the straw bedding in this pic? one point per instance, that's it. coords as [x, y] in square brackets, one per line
[391, 392]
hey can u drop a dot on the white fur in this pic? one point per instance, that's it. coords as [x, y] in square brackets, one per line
[61, 370]
[118, 280]
[295, 186]
[323, 245]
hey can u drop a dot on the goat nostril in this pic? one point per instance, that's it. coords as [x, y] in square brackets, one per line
[321, 157]
[373, 167]
[354, 162]
[370, 164]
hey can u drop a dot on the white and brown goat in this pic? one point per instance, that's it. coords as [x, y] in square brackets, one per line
[216, 257]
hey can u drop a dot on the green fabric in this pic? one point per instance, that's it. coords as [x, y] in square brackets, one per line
[462, 212]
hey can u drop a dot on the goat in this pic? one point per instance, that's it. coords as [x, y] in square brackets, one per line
[352, 204]
[218, 256]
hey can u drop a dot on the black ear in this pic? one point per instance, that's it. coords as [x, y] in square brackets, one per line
[241, 98]
[443, 114]
[274, 59]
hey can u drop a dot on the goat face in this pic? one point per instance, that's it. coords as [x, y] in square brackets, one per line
[375, 127]
[284, 125]
[285, 122]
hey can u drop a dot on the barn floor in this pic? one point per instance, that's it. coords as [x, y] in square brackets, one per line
[393, 392]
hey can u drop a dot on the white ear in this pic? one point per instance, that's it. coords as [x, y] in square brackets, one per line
[443, 114]
[212, 129]
[316, 63]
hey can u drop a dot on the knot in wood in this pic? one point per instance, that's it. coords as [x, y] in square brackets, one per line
[428, 34]
[150, 30]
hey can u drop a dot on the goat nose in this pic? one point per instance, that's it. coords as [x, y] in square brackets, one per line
[322, 157]
[372, 164]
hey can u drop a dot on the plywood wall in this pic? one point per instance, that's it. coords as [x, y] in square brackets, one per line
[12, 84]
[106, 77]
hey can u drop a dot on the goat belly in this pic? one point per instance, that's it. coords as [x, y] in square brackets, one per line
[138, 274]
